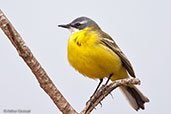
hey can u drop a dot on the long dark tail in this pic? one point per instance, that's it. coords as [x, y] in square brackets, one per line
[135, 97]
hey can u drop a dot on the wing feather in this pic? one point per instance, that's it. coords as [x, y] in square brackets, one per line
[108, 41]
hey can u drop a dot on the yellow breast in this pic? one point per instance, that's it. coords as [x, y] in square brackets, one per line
[89, 56]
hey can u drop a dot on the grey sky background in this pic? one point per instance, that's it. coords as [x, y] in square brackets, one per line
[141, 28]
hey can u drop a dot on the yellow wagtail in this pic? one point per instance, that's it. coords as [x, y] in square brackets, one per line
[95, 54]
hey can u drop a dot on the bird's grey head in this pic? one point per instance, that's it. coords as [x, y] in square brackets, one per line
[79, 23]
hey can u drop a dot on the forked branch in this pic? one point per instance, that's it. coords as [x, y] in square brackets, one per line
[106, 90]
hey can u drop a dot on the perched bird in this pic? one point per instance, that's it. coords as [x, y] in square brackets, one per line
[96, 55]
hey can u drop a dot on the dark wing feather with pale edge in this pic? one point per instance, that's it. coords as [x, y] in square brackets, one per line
[108, 41]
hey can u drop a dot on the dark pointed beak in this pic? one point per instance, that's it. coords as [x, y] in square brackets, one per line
[64, 26]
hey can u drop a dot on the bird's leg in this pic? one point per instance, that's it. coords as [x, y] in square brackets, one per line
[108, 78]
[107, 82]
[101, 80]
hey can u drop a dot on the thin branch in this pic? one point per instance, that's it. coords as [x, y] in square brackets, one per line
[106, 90]
[45, 82]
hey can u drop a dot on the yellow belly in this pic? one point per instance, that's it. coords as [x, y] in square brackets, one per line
[93, 59]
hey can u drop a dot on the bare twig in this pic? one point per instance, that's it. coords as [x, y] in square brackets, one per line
[106, 90]
[45, 82]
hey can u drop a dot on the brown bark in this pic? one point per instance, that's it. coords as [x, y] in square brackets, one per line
[24, 52]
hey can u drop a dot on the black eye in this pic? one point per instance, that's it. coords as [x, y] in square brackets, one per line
[77, 24]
